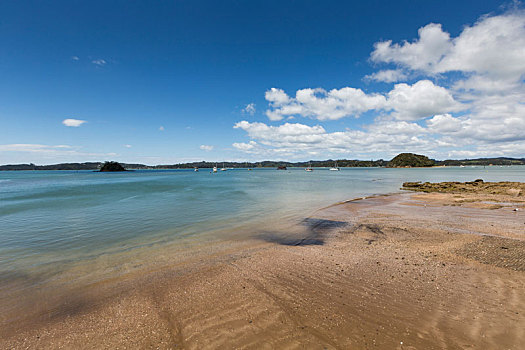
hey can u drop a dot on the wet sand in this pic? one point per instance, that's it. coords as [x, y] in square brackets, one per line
[406, 271]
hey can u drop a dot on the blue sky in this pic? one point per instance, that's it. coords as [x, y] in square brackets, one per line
[170, 81]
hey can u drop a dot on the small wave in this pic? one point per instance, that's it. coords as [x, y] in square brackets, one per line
[127, 198]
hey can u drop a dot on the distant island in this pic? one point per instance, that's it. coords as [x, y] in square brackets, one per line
[401, 160]
[111, 167]
[410, 160]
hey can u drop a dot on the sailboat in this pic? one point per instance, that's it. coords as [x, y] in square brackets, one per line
[309, 167]
[335, 167]
[223, 167]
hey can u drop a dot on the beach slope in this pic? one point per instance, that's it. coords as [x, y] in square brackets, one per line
[416, 270]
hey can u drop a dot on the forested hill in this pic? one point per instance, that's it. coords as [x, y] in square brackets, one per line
[483, 161]
[268, 164]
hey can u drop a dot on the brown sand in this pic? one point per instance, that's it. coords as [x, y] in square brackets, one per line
[407, 271]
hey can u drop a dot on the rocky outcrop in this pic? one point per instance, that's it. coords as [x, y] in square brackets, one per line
[514, 189]
[112, 166]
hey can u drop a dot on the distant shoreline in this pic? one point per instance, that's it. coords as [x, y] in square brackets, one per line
[342, 163]
[268, 167]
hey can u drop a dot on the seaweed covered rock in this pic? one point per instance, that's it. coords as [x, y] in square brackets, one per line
[410, 160]
[514, 189]
[112, 166]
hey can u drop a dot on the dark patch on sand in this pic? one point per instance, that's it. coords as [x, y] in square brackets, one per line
[496, 251]
[314, 235]
[372, 232]
[321, 225]
[282, 239]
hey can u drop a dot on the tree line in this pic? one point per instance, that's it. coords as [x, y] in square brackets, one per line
[401, 160]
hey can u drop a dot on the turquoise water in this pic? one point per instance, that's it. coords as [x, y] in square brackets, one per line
[52, 220]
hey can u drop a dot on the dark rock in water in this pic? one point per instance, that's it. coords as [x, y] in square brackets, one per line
[281, 167]
[112, 166]
[412, 184]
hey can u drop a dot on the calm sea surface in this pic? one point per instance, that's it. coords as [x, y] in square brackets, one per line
[54, 221]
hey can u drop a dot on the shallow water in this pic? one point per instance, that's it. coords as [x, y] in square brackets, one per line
[70, 225]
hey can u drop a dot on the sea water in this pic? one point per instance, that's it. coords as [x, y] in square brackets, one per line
[52, 221]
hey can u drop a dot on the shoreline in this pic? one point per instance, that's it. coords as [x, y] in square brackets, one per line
[270, 167]
[368, 273]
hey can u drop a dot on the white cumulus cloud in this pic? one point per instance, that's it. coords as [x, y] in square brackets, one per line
[249, 109]
[387, 76]
[206, 147]
[321, 104]
[246, 147]
[408, 102]
[422, 54]
[73, 122]
[493, 47]
[395, 128]
[444, 123]
[99, 62]
[420, 100]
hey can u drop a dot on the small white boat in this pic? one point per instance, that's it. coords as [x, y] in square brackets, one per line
[335, 168]
[309, 167]
[196, 169]
[215, 168]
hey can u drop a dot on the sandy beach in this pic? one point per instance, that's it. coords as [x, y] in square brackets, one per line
[414, 270]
